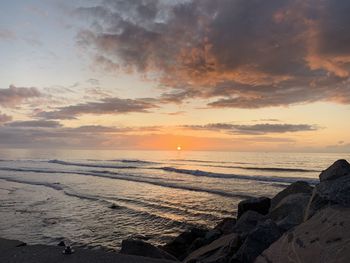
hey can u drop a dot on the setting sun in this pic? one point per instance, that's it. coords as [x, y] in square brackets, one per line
[179, 148]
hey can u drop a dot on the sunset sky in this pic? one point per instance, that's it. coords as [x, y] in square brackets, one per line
[257, 75]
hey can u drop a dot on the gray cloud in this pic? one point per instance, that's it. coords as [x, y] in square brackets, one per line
[4, 118]
[14, 96]
[105, 106]
[35, 124]
[237, 53]
[257, 129]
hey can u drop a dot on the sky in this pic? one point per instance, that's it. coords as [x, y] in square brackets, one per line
[224, 75]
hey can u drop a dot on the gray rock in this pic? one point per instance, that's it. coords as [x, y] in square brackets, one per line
[294, 188]
[336, 170]
[323, 238]
[226, 226]
[329, 192]
[257, 241]
[179, 247]
[259, 204]
[216, 252]
[247, 222]
[290, 210]
[141, 248]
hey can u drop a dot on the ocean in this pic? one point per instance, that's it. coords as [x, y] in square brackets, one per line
[47, 196]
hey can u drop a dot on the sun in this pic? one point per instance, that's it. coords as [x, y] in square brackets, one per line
[178, 148]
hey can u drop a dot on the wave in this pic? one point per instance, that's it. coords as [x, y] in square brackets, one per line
[197, 161]
[201, 173]
[56, 186]
[91, 165]
[135, 178]
[270, 169]
[136, 212]
[133, 161]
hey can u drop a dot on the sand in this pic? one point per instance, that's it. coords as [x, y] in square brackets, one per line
[13, 251]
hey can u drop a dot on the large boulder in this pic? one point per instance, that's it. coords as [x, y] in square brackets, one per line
[141, 248]
[259, 204]
[290, 211]
[294, 188]
[179, 247]
[219, 250]
[257, 241]
[248, 222]
[336, 170]
[323, 238]
[226, 226]
[330, 192]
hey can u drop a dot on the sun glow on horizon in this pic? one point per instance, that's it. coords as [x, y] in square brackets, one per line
[178, 148]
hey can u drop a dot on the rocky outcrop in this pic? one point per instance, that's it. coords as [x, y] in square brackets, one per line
[334, 190]
[336, 170]
[260, 238]
[180, 246]
[298, 187]
[300, 224]
[260, 205]
[141, 248]
[323, 238]
[290, 211]
[247, 222]
[226, 226]
[218, 251]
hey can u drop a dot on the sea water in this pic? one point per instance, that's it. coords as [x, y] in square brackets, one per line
[48, 196]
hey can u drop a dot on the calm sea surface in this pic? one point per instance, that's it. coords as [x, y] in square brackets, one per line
[47, 196]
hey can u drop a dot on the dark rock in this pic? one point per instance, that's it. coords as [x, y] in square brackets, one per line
[257, 241]
[141, 248]
[179, 247]
[330, 192]
[226, 226]
[114, 206]
[260, 205]
[61, 244]
[248, 221]
[290, 211]
[209, 237]
[294, 188]
[218, 251]
[336, 170]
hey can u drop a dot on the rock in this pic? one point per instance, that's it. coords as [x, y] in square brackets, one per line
[290, 211]
[257, 241]
[209, 237]
[218, 251]
[323, 238]
[114, 206]
[336, 170]
[226, 226]
[179, 247]
[61, 244]
[294, 188]
[141, 248]
[330, 192]
[247, 222]
[260, 205]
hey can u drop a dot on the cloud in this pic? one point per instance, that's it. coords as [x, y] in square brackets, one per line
[4, 118]
[6, 34]
[236, 53]
[35, 124]
[105, 106]
[14, 96]
[264, 128]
